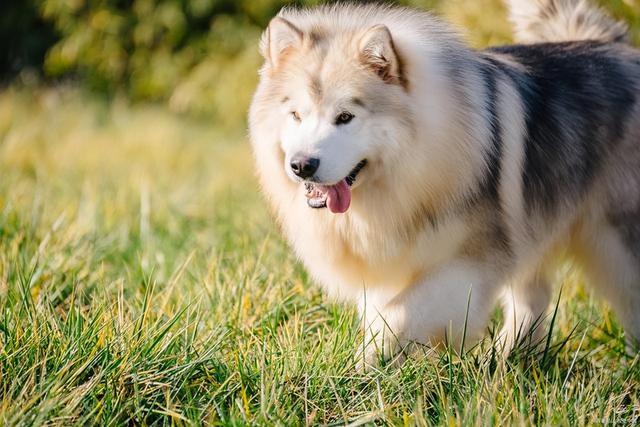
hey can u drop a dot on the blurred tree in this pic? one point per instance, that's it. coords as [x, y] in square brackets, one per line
[175, 50]
[195, 54]
[147, 47]
[24, 37]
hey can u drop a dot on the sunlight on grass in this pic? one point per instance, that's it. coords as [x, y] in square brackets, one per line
[142, 281]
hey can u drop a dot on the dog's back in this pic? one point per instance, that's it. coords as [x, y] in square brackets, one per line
[579, 82]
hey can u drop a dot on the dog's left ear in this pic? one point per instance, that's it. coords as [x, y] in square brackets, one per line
[378, 53]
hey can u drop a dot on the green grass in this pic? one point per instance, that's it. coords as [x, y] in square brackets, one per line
[143, 282]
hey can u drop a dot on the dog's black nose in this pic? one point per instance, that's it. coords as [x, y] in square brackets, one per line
[304, 167]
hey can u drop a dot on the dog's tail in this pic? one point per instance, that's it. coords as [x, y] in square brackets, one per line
[563, 20]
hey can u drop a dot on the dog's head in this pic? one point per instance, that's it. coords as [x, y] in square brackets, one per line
[334, 98]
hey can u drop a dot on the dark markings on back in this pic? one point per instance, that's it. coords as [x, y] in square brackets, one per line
[494, 155]
[490, 189]
[577, 98]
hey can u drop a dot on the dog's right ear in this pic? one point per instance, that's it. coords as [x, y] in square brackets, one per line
[280, 36]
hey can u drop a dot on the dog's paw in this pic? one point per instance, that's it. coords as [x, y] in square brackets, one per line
[380, 352]
[384, 339]
[367, 362]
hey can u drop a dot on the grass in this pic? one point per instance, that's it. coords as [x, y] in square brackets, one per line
[143, 282]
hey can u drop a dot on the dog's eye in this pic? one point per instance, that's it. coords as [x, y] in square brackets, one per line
[344, 118]
[295, 116]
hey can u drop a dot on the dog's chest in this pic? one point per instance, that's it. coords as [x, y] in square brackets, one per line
[354, 253]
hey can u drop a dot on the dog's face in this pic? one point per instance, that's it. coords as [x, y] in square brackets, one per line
[332, 99]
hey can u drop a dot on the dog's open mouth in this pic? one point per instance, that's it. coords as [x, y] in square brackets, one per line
[336, 197]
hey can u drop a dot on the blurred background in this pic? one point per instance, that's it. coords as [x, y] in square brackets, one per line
[195, 56]
[141, 275]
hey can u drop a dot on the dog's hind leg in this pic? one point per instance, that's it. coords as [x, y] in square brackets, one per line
[525, 304]
[613, 268]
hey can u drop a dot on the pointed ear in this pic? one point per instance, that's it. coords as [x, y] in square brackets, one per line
[378, 52]
[279, 36]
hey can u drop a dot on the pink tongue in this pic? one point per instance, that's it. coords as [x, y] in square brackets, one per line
[339, 197]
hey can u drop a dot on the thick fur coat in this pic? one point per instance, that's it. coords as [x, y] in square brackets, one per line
[425, 181]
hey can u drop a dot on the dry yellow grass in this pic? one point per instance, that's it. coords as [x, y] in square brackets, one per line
[142, 281]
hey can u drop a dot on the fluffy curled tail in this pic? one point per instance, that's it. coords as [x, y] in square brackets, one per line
[563, 20]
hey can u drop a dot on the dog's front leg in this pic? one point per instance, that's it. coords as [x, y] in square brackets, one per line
[452, 306]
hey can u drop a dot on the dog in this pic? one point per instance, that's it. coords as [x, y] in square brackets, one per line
[425, 181]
